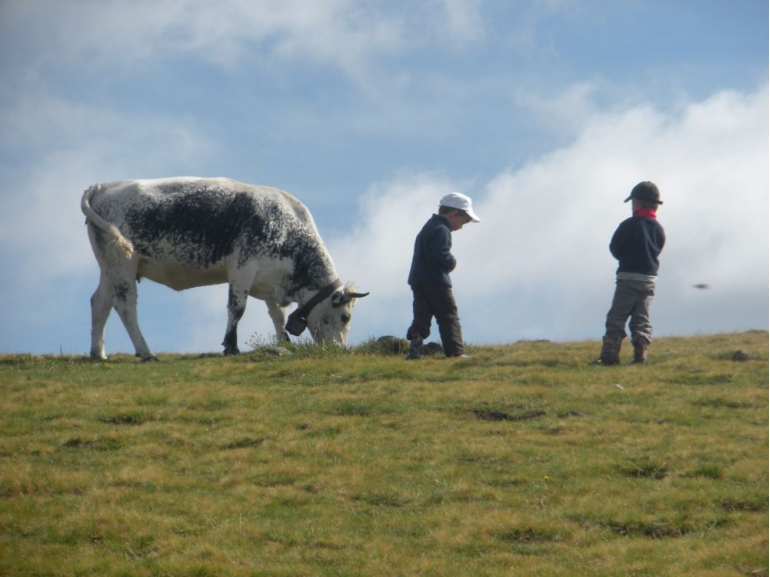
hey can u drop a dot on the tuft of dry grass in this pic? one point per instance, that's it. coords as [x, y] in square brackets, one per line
[522, 459]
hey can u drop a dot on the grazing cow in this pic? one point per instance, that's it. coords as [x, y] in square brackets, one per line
[190, 232]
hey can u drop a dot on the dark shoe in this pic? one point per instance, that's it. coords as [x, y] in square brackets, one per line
[415, 348]
[610, 354]
[640, 351]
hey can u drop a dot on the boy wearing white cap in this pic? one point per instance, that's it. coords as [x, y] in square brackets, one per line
[432, 262]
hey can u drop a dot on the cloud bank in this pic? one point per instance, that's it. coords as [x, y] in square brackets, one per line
[538, 266]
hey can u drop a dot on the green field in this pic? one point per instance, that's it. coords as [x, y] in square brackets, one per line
[520, 460]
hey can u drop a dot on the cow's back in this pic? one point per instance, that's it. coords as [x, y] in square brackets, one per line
[200, 222]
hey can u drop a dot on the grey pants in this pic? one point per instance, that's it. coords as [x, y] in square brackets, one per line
[632, 299]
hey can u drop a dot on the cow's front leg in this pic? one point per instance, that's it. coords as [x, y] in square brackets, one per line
[236, 306]
[278, 317]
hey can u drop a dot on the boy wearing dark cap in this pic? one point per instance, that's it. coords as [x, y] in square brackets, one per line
[432, 262]
[636, 244]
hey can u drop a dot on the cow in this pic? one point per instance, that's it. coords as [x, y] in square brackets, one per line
[188, 232]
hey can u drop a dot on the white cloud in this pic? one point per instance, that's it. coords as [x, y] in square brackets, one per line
[566, 114]
[538, 264]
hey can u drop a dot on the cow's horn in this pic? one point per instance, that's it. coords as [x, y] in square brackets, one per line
[356, 295]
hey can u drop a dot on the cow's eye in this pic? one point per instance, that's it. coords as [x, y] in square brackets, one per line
[345, 319]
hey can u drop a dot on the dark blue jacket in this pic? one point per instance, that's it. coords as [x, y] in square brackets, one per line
[637, 243]
[432, 260]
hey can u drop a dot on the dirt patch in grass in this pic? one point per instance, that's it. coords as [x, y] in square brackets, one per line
[749, 504]
[244, 443]
[97, 444]
[530, 535]
[722, 403]
[496, 416]
[660, 529]
[382, 499]
[125, 419]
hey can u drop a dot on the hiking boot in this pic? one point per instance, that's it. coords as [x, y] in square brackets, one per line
[415, 348]
[610, 354]
[640, 351]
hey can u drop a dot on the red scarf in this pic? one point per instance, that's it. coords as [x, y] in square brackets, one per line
[645, 213]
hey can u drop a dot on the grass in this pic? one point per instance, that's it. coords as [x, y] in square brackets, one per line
[520, 460]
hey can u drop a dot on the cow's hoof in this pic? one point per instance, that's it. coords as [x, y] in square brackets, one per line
[98, 357]
[150, 359]
[231, 352]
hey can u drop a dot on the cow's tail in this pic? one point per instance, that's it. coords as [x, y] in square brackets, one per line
[123, 245]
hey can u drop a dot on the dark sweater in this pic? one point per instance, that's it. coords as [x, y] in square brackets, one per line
[636, 244]
[432, 260]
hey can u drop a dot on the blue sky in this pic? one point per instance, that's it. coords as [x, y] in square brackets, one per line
[545, 112]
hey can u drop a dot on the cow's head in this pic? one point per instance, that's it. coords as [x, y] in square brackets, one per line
[329, 321]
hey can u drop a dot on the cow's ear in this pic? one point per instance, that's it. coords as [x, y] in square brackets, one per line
[339, 299]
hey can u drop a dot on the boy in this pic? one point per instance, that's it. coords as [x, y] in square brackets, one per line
[636, 244]
[432, 262]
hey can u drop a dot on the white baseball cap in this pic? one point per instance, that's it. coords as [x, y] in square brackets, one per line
[461, 202]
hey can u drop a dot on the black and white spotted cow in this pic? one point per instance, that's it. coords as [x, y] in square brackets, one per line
[190, 232]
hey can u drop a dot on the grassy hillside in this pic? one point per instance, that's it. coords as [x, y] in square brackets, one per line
[520, 460]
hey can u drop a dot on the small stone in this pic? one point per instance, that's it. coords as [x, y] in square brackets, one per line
[432, 348]
[740, 356]
[278, 351]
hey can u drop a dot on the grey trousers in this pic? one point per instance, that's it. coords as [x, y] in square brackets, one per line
[632, 299]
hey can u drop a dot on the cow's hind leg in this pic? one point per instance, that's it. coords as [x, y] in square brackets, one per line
[236, 306]
[101, 305]
[125, 303]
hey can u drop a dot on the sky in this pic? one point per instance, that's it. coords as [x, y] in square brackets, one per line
[545, 112]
